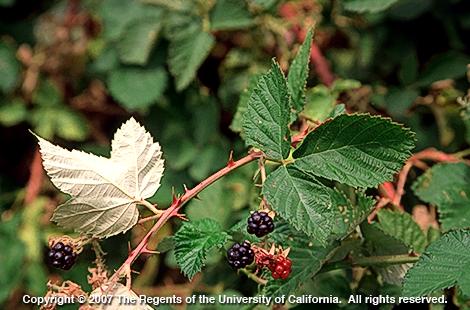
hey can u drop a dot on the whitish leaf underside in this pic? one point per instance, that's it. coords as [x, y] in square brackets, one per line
[105, 191]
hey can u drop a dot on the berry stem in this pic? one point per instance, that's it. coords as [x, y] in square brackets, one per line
[254, 277]
[177, 203]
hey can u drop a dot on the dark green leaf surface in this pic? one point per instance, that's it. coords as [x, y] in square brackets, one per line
[230, 14]
[448, 187]
[193, 241]
[137, 88]
[265, 123]
[138, 39]
[359, 150]
[445, 263]
[371, 6]
[450, 65]
[298, 73]
[188, 49]
[401, 226]
[9, 68]
[302, 201]
[379, 243]
[116, 15]
[350, 214]
[236, 124]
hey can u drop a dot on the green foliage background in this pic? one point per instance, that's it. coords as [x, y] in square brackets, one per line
[73, 71]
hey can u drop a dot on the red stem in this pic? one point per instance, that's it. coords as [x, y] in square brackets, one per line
[321, 66]
[391, 195]
[178, 203]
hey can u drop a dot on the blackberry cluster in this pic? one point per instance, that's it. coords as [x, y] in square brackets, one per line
[61, 256]
[240, 255]
[281, 268]
[260, 224]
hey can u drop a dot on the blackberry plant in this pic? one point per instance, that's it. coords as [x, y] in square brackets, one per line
[357, 150]
[338, 175]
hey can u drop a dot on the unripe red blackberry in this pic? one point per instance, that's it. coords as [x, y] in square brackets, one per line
[61, 256]
[240, 255]
[260, 224]
[281, 268]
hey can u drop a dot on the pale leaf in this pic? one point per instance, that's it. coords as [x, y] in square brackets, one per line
[105, 191]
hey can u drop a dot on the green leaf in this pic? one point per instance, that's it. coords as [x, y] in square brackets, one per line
[106, 60]
[61, 121]
[379, 243]
[342, 85]
[193, 241]
[215, 203]
[47, 94]
[359, 150]
[409, 68]
[6, 3]
[116, 15]
[230, 14]
[137, 88]
[9, 68]
[448, 187]
[264, 4]
[298, 73]
[265, 123]
[401, 226]
[338, 110]
[9, 260]
[406, 10]
[465, 114]
[445, 263]
[450, 65]
[207, 159]
[188, 49]
[13, 112]
[371, 6]
[319, 103]
[138, 39]
[306, 262]
[302, 201]
[350, 213]
[399, 100]
[242, 106]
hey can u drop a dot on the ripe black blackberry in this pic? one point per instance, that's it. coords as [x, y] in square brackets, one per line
[61, 256]
[240, 255]
[260, 224]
